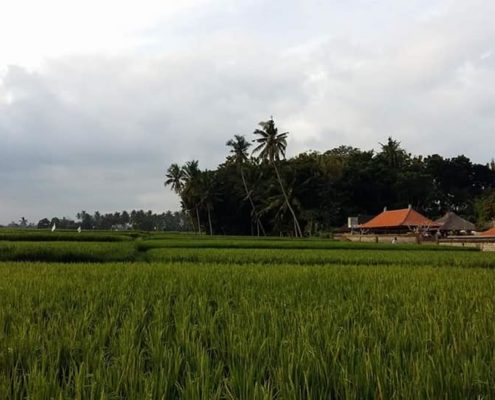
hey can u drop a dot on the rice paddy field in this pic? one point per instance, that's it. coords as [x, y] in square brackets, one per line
[160, 316]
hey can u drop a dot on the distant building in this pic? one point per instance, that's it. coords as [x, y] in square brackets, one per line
[399, 221]
[488, 233]
[353, 224]
[451, 222]
[121, 227]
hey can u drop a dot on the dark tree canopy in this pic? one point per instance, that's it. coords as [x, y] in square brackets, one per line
[319, 190]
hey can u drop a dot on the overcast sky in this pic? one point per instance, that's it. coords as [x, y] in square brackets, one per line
[99, 97]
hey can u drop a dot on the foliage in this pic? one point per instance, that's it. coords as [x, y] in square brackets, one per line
[318, 191]
[207, 242]
[122, 221]
[67, 251]
[60, 235]
[196, 331]
[275, 256]
[485, 208]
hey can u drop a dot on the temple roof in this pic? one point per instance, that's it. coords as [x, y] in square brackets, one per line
[406, 217]
[489, 232]
[452, 222]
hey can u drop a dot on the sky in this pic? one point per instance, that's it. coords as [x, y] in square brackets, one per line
[99, 97]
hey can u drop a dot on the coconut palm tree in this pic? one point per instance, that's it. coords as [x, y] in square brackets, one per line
[239, 149]
[191, 195]
[208, 194]
[185, 182]
[175, 178]
[271, 147]
[393, 154]
[278, 208]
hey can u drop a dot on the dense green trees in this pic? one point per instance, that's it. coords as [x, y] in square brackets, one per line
[136, 219]
[314, 192]
[485, 208]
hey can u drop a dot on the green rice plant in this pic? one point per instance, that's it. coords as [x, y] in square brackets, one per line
[319, 257]
[284, 243]
[65, 236]
[210, 331]
[68, 251]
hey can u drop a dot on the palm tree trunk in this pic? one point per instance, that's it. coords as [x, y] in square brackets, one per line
[191, 218]
[297, 227]
[199, 223]
[259, 225]
[209, 219]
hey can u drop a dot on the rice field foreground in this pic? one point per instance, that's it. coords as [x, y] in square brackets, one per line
[245, 331]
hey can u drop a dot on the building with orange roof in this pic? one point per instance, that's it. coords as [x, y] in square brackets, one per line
[403, 220]
[489, 232]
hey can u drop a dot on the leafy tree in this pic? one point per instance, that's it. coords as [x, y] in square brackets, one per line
[320, 190]
[125, 218]
[44, 223]
[392, 153]
[86, 220]
[485, 209]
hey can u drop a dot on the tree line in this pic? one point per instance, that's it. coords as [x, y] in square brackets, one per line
[136, 220]
[263, 193]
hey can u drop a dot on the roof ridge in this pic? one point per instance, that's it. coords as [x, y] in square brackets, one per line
[407, 215]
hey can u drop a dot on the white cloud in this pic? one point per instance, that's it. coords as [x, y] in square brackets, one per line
[99, 101]
[32, 30]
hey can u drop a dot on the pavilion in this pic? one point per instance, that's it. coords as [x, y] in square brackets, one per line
[451, 222]
[399, 221]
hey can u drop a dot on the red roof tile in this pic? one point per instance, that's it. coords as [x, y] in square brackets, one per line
[489, 232]
[406, 217]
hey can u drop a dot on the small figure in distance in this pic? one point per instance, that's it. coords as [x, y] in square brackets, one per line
[54, 227]
[79, 229]
[394, 240]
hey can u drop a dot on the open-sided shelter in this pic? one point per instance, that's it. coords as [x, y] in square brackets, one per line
[451, 222]
[397, 221]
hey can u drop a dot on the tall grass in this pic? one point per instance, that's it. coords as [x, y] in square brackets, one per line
[284, 243]
[65, 236]
[324, 256]
[68, 251]
[156, 331]
[253, 251]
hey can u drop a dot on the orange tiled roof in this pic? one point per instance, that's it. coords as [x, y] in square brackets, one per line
[489, 232]
[398, 218]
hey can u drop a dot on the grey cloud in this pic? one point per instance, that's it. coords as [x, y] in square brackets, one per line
[97, 132]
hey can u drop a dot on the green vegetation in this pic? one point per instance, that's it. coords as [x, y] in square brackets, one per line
[322, 257]
[239, 318]
[260, 193]
[213, 331]
[136, 219]
[65, 236]
[237, 250]
[277, 243]
[67, 251]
